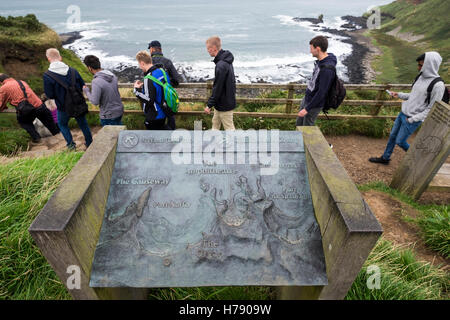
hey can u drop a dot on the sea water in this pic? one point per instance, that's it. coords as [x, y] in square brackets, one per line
[268, 45]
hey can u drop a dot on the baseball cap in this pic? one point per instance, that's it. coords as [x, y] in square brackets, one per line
[154, 43]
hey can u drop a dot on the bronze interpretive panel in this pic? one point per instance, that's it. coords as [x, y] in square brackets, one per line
[200, 208]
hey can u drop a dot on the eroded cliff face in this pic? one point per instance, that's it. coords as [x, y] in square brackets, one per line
[24, 57]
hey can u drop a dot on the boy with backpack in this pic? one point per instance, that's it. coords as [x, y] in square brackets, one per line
[64, 85]
[426, 90]
[322, 80]
[157, 96]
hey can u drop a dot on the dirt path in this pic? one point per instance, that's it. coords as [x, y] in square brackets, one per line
[391, 213]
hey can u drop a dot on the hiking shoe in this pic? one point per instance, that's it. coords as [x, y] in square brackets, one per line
[379, 160]
[72, 147]
[35, 141]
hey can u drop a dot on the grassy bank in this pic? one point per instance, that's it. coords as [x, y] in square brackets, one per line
[428, 20]
[26, 185]
[23, 42]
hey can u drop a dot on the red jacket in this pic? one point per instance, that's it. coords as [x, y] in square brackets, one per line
[10, 92]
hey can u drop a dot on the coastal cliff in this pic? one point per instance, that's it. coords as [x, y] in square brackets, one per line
[23, 42]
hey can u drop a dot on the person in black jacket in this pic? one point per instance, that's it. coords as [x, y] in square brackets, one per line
[223, 97]
[319, 84]
[174, 76]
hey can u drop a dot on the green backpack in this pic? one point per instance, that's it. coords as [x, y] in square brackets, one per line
[170, 103]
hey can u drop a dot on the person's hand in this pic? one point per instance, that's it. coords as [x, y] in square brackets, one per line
[302, 113]
[394, 94]
[85, 87]
[207, 110]
[410, 120]
[138, 84]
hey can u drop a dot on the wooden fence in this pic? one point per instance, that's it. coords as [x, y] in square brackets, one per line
[291, 104]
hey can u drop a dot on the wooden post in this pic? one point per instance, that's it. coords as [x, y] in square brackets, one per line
[381, 95]
[348, 227]
[428, 152]
[289, 103]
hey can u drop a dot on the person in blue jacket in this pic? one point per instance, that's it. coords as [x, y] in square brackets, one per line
[320, 82]
[149, 93]
[54, 90]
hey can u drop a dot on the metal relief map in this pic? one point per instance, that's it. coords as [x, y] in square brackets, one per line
[207, 223]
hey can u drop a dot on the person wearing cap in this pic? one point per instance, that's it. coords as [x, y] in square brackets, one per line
[174, 76]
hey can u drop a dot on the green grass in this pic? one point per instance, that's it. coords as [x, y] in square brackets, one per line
[429, 19]
[402, 277]
[213, 293]
[12, 141]
[398, 63]
[25, 186]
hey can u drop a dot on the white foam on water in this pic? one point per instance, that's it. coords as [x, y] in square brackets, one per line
[248, 67]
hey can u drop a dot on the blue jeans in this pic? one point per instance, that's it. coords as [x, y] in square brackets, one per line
[400, 132]
[63, 123]
[111, 122]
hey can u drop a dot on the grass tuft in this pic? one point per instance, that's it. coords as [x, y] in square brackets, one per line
[25, 187]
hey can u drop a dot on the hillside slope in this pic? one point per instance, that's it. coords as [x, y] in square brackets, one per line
[409, 28]
[23, 42]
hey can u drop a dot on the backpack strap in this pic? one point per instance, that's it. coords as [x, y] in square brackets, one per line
[57, 79]
[74, 80]
[149, 76]
[430, 88]
[417, 78]
[23, 89]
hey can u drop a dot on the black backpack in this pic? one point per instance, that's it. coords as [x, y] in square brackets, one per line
[445, 97]
[336, 93]
[74, 102]
[24, 108]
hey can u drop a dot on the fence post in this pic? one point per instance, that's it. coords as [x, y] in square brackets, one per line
[381, 95]
[289, 104]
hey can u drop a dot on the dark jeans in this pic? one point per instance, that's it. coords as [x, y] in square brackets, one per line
[156, 124]
[400, 132]
[44, 115]
[310, 118]
[63, 123]
[171, 123]
[111, 122]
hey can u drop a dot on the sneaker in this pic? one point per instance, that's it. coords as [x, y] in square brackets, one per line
[379, 160]
[72, 147]
[331, 146]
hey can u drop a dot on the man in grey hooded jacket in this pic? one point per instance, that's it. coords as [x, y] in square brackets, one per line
[415, 106]
[105, 92]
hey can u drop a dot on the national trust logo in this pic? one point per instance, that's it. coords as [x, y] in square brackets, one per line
[130, 140]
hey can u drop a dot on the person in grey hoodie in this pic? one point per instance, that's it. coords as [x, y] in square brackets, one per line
[415, 106]
[105, 92]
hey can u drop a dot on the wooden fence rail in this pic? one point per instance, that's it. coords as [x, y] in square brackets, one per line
[289, 102]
